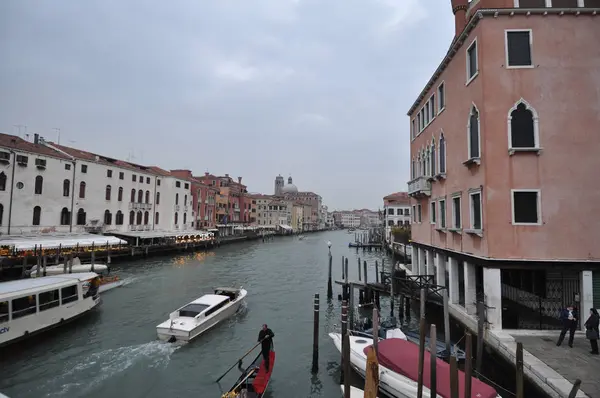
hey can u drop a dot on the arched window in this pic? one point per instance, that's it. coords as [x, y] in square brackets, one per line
[82, 190]
[1, 213]
[65, 216]
[66, 188]
[156, 218]
[185, 200]
[140, 196]
[423, 167]
[132, 196]
[37, 215]
[120, 194]
[2, 181]
[442, 150]
[184, 218]
[147, 196]
[139, 218]
[119, 218]
[107, 217]
[146, 217]
[107, 193]
[39, 183]
[176, 199]
[81, 217]
[523, 127]
[474, 134]
[131, 217]
[176, 218]
[158, 198]
[413, 169]
[433, 158]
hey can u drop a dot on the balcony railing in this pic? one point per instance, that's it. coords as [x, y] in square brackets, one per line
[419, 187]
[140, 206]
[177, 207]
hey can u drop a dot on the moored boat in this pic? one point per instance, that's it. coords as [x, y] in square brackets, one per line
[254, 379]
[398, 369]
[355, 392]
[76, 267]
[196, 317]
[31, 306]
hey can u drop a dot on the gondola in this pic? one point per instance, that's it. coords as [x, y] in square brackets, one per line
[254, 379]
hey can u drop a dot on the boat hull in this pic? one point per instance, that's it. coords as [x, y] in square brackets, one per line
[110, 285]
[354, 392]
[22, 328]
[185, 336]
[52, 270]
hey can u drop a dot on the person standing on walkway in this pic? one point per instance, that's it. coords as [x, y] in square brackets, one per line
[265, 336]
[591, 332]
[568, 317]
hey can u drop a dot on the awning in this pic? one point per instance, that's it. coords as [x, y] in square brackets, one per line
[286, 227]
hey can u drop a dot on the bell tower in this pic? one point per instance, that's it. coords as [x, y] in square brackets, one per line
[279, 183]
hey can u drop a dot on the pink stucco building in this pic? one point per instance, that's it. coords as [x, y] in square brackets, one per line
[504, 143]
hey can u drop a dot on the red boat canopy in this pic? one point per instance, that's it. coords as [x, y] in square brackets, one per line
[402, 357]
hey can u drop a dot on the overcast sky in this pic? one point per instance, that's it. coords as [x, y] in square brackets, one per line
[318, 89]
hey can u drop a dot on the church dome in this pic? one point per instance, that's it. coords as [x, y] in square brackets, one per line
[290, 187]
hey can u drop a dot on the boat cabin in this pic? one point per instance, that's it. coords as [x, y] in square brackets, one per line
[204, 306]
[27, 297]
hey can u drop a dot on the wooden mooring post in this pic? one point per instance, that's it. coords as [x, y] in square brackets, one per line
[575, 388]
[519, 368]
[433, 362]
[346, 363]
[446, 321]
[375, 329]
[343, 275]
[329, 279]
[44, 263]
[421, 344]
[344, 331]
[468, 364]
[480, 324]
[359, 270]
[453, 377]
[315, 358]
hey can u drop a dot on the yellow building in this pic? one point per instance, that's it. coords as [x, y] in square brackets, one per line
[297, 215]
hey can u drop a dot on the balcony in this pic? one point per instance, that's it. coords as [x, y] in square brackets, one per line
[177, 207]
[140, 206]
[419, 187]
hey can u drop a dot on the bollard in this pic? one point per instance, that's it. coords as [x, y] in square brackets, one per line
[45, 263]
[315, 360]
[359, 269]
[344, 331]
[343, 276]
[376, 272]
[433, 362]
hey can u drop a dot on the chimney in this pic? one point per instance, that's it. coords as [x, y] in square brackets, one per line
[206, 174]
[239, 180]
[36, 138]
[226, 175]
[459, 9]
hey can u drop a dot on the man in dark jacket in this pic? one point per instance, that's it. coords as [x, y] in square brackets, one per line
[568, 316]
[265, 336]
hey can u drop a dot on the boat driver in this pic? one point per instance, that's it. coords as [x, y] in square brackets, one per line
[265, 336]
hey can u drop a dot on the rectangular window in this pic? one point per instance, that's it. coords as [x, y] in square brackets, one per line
[432, 218]
[532, 3]
[432, 106]
[3, 311]
[68, 294]
[24, 306]
[427, 113]
[518, 48]
[147, 180]
[441, 96]
[412, 129]
[391, 212]
[158, 182]
[456, 216]
[84, 168]
[67, 166]
[442, 213]
[414, 214]
[568, 4]
[109, 173]
[133, 178]
[472, 64]
[186, 186]
[419, 213]
[121, 175]
[49, 300]
[177, 184]
[526, 207]
[475, 198]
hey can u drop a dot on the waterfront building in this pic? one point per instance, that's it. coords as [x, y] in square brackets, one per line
[330, 219]
[369, 218]
[232, 205]
[396, 212]
[313, 218]
[499, 138]
[203, 199]
[350, 219]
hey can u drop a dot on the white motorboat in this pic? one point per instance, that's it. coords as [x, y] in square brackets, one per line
[77, 267]
[355, 392]
[110, 282]
[31, 306]
[398, 369]
[194, 318]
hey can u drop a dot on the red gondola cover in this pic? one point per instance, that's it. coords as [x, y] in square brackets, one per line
[402, 357]
[262, 378]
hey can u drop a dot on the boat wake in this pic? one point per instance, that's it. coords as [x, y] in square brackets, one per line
[82, 377]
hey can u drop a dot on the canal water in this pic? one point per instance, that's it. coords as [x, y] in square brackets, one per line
[114, 352]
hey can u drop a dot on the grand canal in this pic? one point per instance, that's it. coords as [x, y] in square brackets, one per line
[114, 351]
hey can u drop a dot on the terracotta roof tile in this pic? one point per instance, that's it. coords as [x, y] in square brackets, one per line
[19, 144]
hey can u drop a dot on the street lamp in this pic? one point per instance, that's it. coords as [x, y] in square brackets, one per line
[329, 246]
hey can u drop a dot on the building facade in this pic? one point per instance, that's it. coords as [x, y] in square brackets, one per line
[489, 177]
[396, 212]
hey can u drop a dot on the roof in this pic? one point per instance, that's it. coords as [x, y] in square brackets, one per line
[160, 234]
[402, 357]
[210, 299]
[55, 241]
[19, 144]
[25, 285]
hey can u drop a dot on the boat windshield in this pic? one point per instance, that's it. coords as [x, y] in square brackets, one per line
[192, 310]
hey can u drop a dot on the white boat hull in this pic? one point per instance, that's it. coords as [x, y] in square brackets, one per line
[26, 326]
[354, 392]
[108, 286]
[167, 333]
[52, 270]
